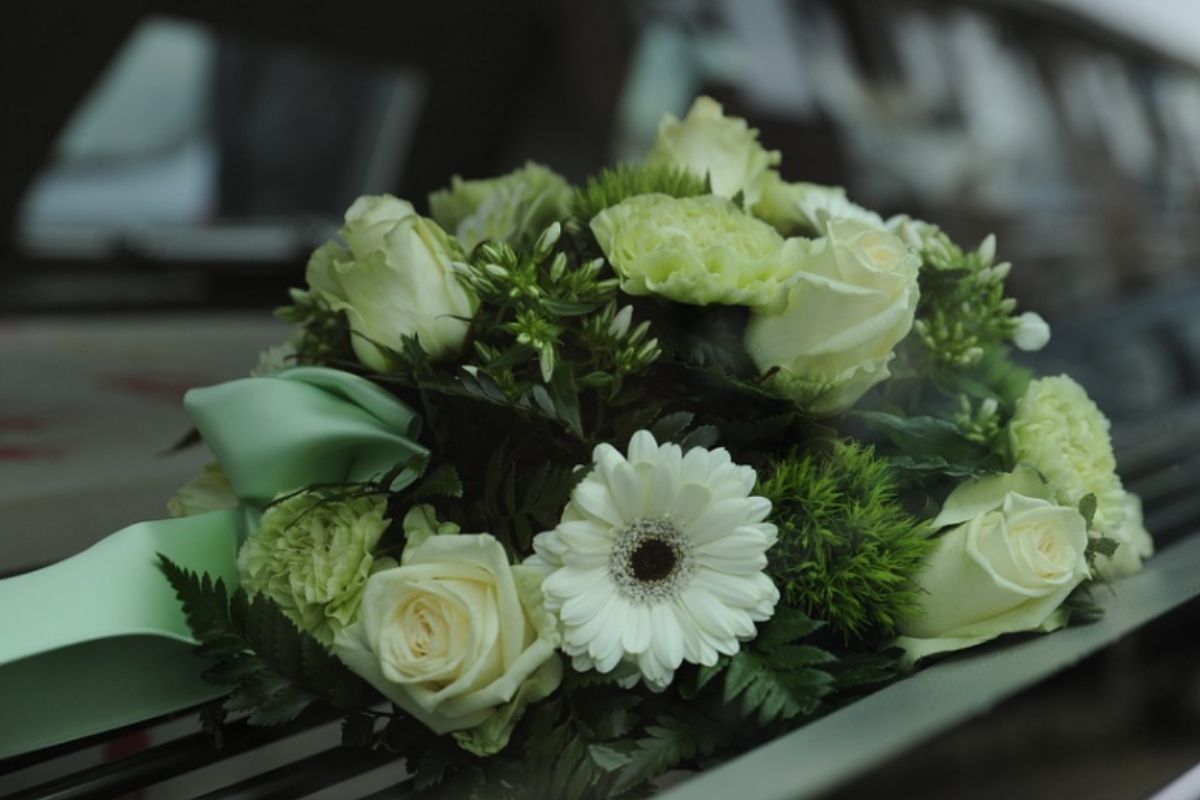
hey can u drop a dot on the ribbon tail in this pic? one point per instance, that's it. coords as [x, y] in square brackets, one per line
[99, 640]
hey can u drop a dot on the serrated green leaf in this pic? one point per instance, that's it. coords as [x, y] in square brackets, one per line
[671, 427]
[607, 758]
[443, 481]
[794, 656]
[863, 669]
[281, 707]
[433, 765]
[232, 670]
[674, 740]
[609, 714]
[788, 625]
[774, 693]
[274, 669]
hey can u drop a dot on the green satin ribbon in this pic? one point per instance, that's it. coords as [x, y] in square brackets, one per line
[99, 641]
[307, 425]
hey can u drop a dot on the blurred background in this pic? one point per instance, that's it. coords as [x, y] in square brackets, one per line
[193, 156]
[168, 168]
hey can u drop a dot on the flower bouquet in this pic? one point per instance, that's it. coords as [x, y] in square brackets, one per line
[557, 488]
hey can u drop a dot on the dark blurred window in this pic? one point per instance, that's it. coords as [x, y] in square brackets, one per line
[199, 145]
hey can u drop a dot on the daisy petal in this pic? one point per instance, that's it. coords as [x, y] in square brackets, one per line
[665, 638]
[720, 519]
[583, 604]
[636, 637]
[690, 502]
[594, 498]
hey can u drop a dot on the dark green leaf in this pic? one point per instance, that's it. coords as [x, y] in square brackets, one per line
[607, 758]
[705, 436]
[274, 669]
[1087, 510]
[671, 427]
[1102, 545]
[788, 625]
[924, 436]
[441, 482]
[676, 739]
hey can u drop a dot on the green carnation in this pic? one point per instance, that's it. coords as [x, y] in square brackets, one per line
[1061, 433]
[312, 555]
[512, 208]
[695, 250]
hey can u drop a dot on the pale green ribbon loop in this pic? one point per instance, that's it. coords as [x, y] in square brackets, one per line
[304, 426]
[99, 641]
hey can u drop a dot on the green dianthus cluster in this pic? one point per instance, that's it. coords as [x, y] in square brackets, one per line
[847, 548]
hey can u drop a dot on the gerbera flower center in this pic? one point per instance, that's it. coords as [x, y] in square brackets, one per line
[651, 560]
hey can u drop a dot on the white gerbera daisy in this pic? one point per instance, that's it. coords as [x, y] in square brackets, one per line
[658, 559]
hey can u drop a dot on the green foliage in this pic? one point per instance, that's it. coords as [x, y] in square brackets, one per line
[775, 677]
[963, 312]
[1081, 608]
[1100, 546]
[549, 337]
[706, 338]
[847, 548]
[323, 334]
[680, 737]
[927, 438]
[611, 186]
[518, 502]
[274, 669]
[1087, 510]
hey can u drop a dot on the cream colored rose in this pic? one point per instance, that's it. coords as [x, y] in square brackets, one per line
[726, 149]
[393, 281]
[807, 207]
[852, 298]
[455, 636]
[1003, 571]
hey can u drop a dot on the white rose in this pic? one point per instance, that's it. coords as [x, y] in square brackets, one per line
[1006, 570]
[706, 142]
[456, 636]
[852, 298]
[807, 207]
[395, 280]
[1133, 541]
